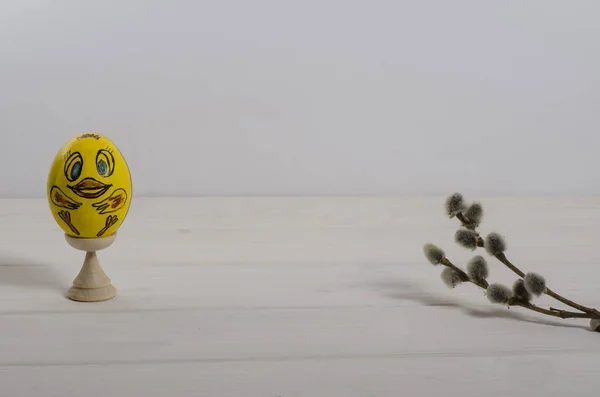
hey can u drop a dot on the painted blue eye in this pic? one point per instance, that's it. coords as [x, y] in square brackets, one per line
[73, 166]
[76, 170]
[102, 167]
[105, 163]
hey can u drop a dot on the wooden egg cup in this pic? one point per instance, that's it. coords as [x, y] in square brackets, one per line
[91, 284]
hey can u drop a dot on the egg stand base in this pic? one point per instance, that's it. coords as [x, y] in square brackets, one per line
[91, 284]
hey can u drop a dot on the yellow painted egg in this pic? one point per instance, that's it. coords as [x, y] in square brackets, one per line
[89, 187]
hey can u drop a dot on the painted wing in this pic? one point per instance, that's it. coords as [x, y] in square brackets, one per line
[60, 199]
[112, 203]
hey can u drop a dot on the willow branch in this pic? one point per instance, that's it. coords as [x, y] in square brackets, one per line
[464, 276]
[552, 312]
[502, 258]
[465, 222]
[518, 302]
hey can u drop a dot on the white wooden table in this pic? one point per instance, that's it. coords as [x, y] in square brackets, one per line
[320, 297]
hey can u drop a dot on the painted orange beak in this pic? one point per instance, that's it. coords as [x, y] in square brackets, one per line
[89, 188]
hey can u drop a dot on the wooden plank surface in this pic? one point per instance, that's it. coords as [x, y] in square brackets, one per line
[295, 297]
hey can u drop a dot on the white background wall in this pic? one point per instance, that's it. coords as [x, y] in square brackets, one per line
[307, 97]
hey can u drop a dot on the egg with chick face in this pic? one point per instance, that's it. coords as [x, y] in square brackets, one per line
[89, 187]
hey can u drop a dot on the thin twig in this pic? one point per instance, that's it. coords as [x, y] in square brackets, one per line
[464, 276]
[518, 302]
[466, 223]
[569, 302]
[552, 312]
[502, 258]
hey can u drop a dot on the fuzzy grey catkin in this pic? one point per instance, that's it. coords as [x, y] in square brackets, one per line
[467, 238]
[495, 244]
[535, 284]
[477, 269]
[433, 253]
[498, 293]
[450, 277]
[455, 204]
[520, 292]
[474, 213]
